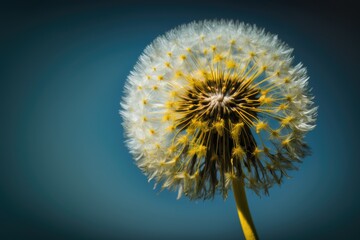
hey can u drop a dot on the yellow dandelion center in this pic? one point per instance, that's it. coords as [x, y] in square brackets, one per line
[226, 109]
[214, 100]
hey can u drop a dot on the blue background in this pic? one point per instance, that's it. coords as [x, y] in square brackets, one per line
[65, 171]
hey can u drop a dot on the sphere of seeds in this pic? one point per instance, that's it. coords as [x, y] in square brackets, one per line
[212, 101]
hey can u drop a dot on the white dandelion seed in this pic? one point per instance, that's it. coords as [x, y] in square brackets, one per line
[217, 102]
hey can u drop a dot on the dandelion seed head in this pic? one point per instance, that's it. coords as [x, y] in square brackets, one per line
[216, 100]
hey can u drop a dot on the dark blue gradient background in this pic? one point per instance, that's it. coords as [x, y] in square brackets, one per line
[65, 172]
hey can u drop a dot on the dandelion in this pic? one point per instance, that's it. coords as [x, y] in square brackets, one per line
[216, 104]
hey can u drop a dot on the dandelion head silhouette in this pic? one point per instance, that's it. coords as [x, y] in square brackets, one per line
[214, 101]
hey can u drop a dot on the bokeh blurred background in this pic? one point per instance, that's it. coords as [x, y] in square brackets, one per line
[65, 171]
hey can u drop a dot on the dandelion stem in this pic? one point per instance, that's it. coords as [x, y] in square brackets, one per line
[242, 206]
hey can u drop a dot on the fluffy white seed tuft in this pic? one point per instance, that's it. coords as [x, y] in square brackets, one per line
[214, 99]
